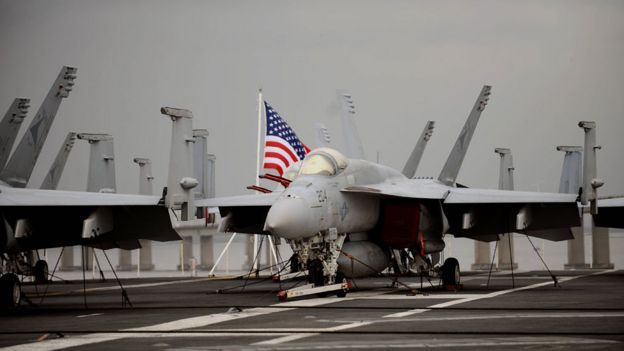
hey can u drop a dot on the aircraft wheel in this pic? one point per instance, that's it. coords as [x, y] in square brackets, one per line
[450, 272]
[294, 263]
[315, 272]
[41, 272]
[341, 279]
[10, 291]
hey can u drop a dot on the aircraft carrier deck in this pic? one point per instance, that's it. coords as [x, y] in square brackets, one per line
[585, 312]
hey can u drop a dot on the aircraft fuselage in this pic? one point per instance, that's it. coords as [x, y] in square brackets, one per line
[315, 203]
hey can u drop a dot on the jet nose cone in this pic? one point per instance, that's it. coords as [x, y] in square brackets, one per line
[289, 218]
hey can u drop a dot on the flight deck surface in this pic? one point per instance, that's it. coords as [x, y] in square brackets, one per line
[585, 312]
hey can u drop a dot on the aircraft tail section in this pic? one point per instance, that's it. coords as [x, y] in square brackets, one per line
[353, 144]
[22, 162]
[101, 176]
[10, 126]
[572, 171]
[179, 183]
[414, 159]
[323, 138]
[505, 174]
[145, 175]
[200, 163]
[451, 168]
[56, 170]
[590, 181]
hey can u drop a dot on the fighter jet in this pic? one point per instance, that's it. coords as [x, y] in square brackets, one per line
[343, 217]
[33, 219]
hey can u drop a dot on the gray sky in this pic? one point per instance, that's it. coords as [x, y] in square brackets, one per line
[551, 64]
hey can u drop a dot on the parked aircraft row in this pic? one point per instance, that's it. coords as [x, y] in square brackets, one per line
[343, 216]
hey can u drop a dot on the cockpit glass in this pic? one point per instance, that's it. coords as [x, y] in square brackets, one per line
[292, 171]
[318, 164]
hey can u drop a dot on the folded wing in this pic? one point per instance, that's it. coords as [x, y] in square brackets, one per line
[36, 218]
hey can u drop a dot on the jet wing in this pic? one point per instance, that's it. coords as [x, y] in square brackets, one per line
[475, 212]
[16, 197]
[610, 213]
[243, 213]
[476, 196]
[36, 218]
[481, 213]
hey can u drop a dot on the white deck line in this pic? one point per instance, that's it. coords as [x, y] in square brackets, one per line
[201, 321]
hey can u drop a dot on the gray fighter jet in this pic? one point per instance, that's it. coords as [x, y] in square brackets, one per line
[343, 217]
[32, 219]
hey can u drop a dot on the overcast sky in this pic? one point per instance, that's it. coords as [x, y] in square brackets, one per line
[551, 64]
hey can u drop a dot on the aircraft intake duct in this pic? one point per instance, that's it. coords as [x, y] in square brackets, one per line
[412, 225]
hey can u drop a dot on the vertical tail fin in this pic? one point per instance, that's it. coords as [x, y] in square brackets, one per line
[101, 163]
[571, 171]
[10, 126]
[22, 162]
[145, 175]
[505, 175]
[323, 138]
[353, 144]
[590, 182]
[179, 183]
[451, 168]
[56, 170]
[414, 159]
[200, 163]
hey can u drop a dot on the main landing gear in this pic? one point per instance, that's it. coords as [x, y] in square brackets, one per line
[10, 291]
[40, 272]
[407, 261]
[13, 265]
[449, 272]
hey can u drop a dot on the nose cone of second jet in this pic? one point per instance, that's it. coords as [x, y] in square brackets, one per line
[289, 218]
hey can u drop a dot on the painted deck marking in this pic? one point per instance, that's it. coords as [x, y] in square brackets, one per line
[201, 321]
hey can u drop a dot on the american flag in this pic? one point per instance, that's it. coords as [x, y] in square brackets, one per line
[282, 147]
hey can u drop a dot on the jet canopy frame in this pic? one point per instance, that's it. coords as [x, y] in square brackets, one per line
[323, 161]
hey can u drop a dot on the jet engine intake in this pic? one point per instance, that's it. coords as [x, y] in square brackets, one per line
[414, 225]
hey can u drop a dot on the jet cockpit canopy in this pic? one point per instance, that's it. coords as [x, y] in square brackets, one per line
[292, 171]
[323, 161]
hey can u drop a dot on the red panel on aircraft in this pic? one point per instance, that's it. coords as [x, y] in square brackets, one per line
[400, 224]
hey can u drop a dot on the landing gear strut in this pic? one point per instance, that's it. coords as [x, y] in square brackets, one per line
[320, 253]
[412, 262]
[40, 271]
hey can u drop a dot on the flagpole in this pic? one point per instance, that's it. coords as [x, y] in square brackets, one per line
[258, 156]
[259, 144]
